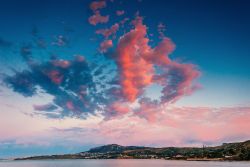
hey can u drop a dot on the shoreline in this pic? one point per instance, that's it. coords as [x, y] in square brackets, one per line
[188, 159]
[226, 152]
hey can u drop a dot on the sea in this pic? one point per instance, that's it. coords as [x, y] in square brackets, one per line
[122, 163]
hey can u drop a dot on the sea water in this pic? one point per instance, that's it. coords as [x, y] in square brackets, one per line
[121, 163]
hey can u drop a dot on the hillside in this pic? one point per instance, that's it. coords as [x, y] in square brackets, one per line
[226, 151]
[113, 148]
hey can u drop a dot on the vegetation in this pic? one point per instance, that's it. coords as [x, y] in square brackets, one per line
[227, 151]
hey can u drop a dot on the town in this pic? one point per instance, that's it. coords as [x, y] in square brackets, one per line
[227, 151]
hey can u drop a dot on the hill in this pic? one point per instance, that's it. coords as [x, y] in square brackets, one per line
[226, 151]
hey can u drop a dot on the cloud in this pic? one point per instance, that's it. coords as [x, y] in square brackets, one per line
[135, 71]
[117, 110]
[137, 62]
[123, 21]
[162, 125]
[60, 40]
[98, 18]
[45, 107]
[108, 32]
[105, 45]
[95, 5]
[22, 82]
[81, 90]
[148, 110]
[25, 52]
[58, 78]
[161, 29]
[178, 82]
[172, 126]
[120, 12]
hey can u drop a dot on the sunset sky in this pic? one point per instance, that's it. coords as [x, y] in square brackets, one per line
[79, 74]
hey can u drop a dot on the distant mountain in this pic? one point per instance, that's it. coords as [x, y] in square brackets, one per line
[227, 151]
[113, 148]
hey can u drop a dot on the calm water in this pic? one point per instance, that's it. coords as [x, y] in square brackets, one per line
[120, 163]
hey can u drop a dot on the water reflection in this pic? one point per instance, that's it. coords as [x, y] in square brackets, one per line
[120, 163]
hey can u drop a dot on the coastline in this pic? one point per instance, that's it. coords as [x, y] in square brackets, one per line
[226, 152]
[188, 159]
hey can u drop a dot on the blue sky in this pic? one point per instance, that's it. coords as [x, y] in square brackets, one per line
[212, 34]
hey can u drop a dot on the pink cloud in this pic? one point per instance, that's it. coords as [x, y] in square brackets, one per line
[61, 63]
[135, 71]
[109, 31]
[120, 12]
[105, 45]
[136, 61]
[70, 105]
[55, 76]
[79, 58]
[206, 124]
[95, 5]
[173, 126]
[159, 54]
[213, 125]
[180, 82]
[122, 22]
[117, 109]
[148, 110]
[98, 18]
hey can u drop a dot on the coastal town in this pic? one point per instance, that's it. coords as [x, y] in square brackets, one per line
[227, 151]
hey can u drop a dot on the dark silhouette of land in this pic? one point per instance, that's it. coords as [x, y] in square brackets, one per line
[226, 151]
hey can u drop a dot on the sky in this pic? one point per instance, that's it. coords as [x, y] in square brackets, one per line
[79, 74]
